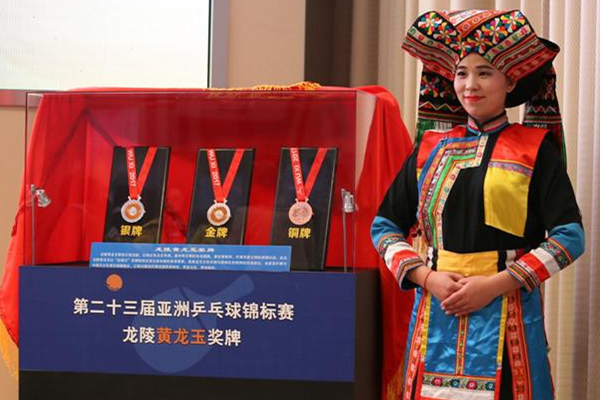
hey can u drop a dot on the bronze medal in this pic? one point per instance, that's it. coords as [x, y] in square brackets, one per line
[300, 213]
[218, 214]
[132, 210]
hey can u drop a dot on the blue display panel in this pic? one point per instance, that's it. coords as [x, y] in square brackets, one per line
[258, 325]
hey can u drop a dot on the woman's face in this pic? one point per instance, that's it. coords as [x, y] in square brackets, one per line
[481, 88]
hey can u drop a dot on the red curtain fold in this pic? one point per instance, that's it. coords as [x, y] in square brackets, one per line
[388, 146]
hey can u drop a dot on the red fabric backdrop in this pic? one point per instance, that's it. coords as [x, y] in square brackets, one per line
[70, 155]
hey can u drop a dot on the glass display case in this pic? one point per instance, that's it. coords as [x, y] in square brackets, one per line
[72, 137]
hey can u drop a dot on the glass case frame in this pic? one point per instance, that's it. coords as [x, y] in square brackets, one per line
[70, 136]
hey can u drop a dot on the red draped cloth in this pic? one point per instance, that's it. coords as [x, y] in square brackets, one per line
[70, 156]
[388, 145]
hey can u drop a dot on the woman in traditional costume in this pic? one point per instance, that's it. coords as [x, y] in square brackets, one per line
[488, 205]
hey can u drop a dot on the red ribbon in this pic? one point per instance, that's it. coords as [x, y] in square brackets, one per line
[303, 189]
[136, 184]
[221, 192]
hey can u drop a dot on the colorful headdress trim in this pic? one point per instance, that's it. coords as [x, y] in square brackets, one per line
[505, 39]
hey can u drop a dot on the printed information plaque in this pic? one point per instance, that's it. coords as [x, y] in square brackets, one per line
[190, 256]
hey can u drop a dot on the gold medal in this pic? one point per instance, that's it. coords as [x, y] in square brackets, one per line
[218, 214]
[133, 210]
[300, 213]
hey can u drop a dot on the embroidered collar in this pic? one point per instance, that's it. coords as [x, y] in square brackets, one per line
[493, 125]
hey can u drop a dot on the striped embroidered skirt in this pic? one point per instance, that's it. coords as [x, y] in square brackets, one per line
[450, 358]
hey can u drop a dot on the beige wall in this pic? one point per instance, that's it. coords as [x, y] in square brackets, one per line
[266, 42]
[12, 148]
[266, 46]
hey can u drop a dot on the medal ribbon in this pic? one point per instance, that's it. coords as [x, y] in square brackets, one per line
[136, 183]
[221, 192]
[303, 189]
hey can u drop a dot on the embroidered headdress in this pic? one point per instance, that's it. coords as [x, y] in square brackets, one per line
[506, 40]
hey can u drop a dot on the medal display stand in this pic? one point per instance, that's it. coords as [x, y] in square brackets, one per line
[303, 204]
[136, 195]
[221, 194]
[77, 156]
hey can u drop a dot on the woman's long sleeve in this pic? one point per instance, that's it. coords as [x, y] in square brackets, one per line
[552, 197]
[395, 218]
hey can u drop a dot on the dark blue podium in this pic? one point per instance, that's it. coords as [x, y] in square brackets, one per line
[115, 334]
